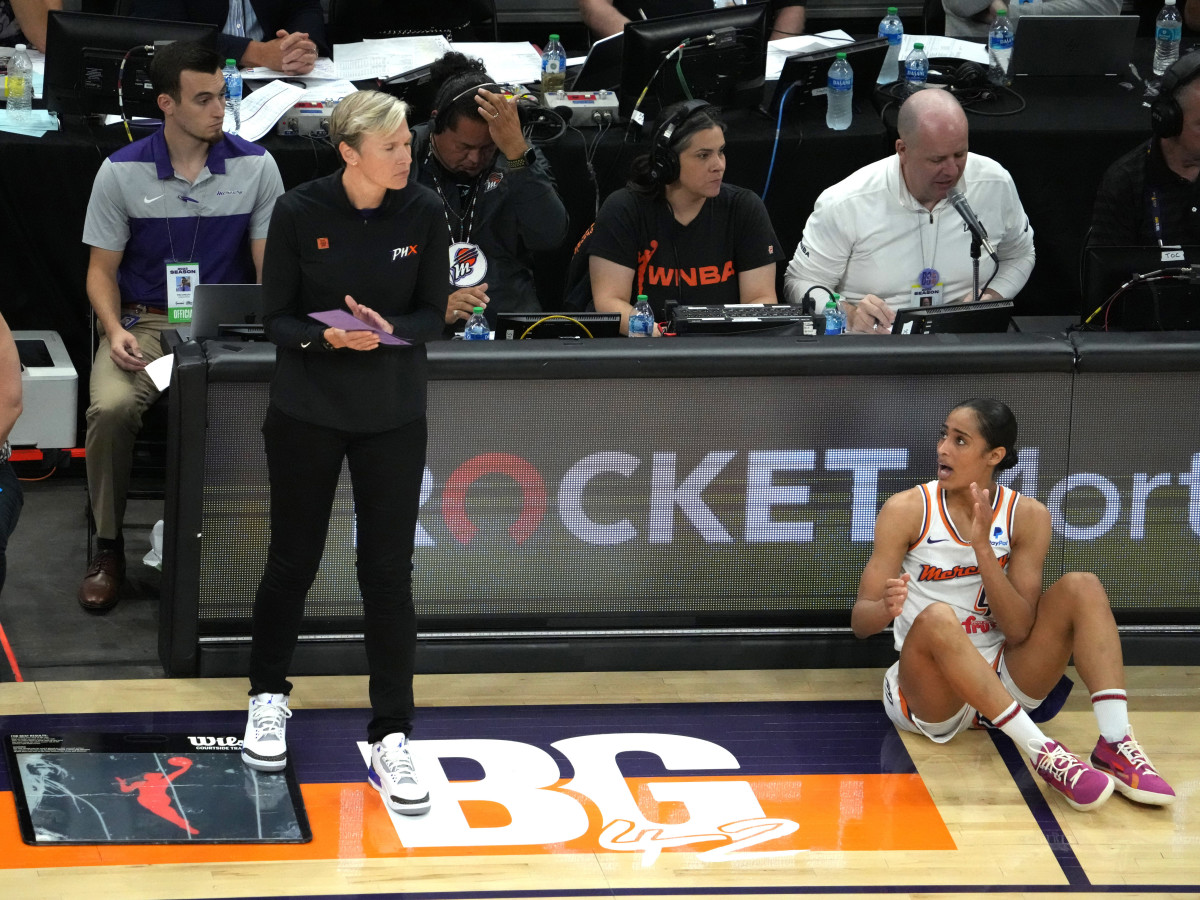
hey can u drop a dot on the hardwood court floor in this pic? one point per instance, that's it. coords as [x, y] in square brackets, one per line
[991, 830]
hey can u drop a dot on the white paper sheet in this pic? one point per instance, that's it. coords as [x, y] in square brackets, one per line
[778, 51]
[262, 108]
[936, 45]
[324, 68]
[507, 61]
[38, 123]
[385, 57]
[160, 371]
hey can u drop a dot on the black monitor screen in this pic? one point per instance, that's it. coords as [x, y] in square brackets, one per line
[724, 61]
[516, 326]
[83, 61]
[1166, 301]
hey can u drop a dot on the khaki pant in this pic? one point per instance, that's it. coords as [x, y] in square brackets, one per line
[114, 418]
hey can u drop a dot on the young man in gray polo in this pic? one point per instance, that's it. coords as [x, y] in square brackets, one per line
[188, 205]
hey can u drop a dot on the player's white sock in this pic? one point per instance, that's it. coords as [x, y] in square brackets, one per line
[1015, 722]
[1112, 712]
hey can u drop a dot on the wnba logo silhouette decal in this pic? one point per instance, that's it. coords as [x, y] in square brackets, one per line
[468, 265]
[152, 792]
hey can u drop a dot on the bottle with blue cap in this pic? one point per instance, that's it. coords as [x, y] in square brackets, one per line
[1000, 48]
[1168, 33]
[840, 95]
[892, 28]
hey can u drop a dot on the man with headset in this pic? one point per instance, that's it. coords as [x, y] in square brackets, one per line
[497, 192]
[1149, 195]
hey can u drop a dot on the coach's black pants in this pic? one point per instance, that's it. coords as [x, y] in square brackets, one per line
[304, 462]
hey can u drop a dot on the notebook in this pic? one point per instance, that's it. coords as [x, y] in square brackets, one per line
[226, 310]
[1061, 46]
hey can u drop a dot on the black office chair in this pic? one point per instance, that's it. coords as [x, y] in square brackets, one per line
[356, 20]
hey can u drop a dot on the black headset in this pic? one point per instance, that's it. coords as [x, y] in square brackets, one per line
[1166, 115]
[664, 161]
[541, 125]
[442, 113]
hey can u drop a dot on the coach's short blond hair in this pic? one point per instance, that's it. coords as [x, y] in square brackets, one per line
[365, 112]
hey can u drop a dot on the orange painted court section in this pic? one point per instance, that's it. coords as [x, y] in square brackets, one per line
[833, 812]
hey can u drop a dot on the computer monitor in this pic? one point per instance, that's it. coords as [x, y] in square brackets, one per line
[1168, 302]
[226, 311]
[985, 317]
[806, 74]
[724, 62]
[83, 59]
[514, 326]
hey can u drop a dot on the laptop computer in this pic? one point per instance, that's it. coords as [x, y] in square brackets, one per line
[601, 70]
[986, 317]
[226, 311]
[1073, 46]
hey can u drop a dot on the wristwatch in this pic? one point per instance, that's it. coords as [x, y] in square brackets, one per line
[325, 343]
[523, 161]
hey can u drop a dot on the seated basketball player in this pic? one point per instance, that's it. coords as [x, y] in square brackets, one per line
[957, 569]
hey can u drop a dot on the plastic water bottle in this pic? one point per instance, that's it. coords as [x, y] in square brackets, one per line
[554, 66]
[1000, 47]
[477, 327]
[1168, 32]
[916, 69]
[233, 94]
[641, 320]
[891, 28]
[18, 85]
[835, 319]
[839, 113]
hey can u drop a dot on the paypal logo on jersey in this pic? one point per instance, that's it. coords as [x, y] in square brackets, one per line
[998, 539]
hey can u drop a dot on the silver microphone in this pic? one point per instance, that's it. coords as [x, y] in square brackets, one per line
[959, 201]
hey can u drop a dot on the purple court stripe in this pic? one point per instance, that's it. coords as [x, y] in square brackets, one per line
[790, 738]
[1042, 814]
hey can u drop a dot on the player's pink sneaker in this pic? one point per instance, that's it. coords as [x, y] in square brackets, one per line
[1082, 786]
[1132, 771]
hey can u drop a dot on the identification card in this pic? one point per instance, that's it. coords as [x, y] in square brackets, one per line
[928, 289]
[182, 278]
[468, 265]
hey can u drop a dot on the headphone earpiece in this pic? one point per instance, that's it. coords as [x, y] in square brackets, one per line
[664, 161]
[442, 113]
[1166, 115]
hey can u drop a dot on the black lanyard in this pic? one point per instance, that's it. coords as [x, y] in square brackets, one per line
[467, 219]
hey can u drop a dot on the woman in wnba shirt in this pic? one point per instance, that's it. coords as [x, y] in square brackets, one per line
[677, 232]
[957, 570]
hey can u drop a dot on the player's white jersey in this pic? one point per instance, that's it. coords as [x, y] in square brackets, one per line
[942, 567]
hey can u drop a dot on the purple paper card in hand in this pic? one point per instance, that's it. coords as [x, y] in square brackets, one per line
[341, 318]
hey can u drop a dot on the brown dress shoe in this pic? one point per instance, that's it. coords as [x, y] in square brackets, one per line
[98, 592]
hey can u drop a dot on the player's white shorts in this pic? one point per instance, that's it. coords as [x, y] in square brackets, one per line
[967, 717]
